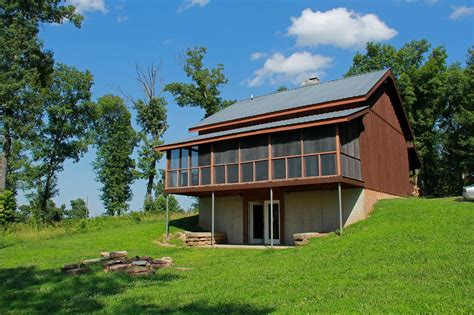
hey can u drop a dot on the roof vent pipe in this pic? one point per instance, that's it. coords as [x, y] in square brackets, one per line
[311, 81]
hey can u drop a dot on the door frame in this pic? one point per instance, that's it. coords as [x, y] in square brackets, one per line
[253, 240]
[266, 226]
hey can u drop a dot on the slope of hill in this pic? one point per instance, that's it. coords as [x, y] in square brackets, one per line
[411, 255]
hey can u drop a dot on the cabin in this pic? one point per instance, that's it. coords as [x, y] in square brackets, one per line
[310, 159]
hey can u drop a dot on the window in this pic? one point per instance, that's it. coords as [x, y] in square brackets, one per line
[294, 167]
[261, 170]
[350, 151]
[319, 139]
[254, 148]
[286, 143]
[328, 164]
[311, 165]
[247, 172]
[183, 180]
[279, 169]
[184, 158]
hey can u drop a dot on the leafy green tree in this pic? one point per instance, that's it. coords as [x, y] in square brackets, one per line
[78, 209]
[115, 141]
[430, 92]
[159, 204]
[204, 91]
[7, 207]
[64, 133]
[24, 67]
[151, 117]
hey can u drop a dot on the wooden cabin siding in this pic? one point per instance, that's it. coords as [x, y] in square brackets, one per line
[384, 155]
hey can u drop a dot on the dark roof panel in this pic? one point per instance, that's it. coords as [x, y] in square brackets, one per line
[345, 88]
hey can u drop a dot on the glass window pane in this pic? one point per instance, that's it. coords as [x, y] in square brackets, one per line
[226, 152]
[172, 179]
[184, 158]
[254, 148]
[174, 164]
[233, 173]
[286, 143]
[204, 154]
[261, 170]
[328, 164]
[194, 156]
[183, 178]
[319, 139]
[311, 165]
[247, 172]
[219, 174]
[357, 170]
[294, 167]
[205, 176]
[195, 177]
[279, 169]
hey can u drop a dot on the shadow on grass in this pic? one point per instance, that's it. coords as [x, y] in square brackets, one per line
[199, 307]
[461, 199]
[190, 224]
[29, 290]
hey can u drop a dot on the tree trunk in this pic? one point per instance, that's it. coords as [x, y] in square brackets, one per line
[45, 197]
[5, 156]
[151, 179]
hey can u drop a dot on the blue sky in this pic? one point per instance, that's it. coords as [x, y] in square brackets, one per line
[262, 44]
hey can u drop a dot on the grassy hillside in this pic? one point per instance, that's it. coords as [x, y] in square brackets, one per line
[411, 255]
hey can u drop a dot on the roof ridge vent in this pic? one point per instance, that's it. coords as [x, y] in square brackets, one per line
[310, 81]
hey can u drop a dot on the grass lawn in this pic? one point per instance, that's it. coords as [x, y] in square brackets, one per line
[411, 255]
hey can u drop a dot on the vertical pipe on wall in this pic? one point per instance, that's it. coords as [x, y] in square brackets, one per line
[212, 219]
[271, 217]
[167, 217]
[340, 206]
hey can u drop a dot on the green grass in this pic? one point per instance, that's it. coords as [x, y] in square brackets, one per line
[411, 255]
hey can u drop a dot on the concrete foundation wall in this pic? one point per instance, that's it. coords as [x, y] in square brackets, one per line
[228, 216]
[310, 211]
[318, 211]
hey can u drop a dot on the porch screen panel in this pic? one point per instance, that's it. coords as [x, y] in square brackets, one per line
[233, 173]
[279, 169]
[261, 170]
[204, 154]
[319, 139]
[294, 167]
[328, 164]
[219, 174]
[254, 148]
[247, 172]
[350, 150]
[205, 176]
[226, 152]
[311, 165]
[286, 143]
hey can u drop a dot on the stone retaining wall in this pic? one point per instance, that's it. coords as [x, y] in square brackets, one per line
[204, 238]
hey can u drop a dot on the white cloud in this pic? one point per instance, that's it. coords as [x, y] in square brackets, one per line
[83, 6]
[459, 12]
[292, 69]
[339, 27]
[257, 55]
[188, 4]
[122, 18]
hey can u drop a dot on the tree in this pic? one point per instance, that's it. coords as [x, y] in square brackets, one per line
[151, 117]
[7, 207]
[24, 67]
[115, 141]
[204, 91]
[159, 204]
[431, 94]
[78, 209]
[64, 133]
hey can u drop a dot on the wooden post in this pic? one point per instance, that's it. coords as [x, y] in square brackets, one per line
[212, 219]
[167, 217]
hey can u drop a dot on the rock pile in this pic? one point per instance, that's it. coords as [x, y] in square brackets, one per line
[119, 262]
[204, 238]
[303, 238]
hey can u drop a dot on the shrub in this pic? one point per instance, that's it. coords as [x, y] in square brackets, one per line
[7, 207]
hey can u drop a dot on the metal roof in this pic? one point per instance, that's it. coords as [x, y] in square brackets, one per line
[349, 87]
[274, 124]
